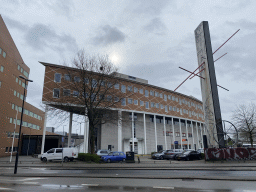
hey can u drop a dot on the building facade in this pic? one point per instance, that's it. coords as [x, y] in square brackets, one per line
[149, 118]
[11, 97]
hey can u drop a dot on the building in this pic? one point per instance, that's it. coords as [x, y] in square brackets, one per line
[149, 118]
[11, 97]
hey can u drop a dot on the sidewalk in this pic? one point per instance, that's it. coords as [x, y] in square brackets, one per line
[145, 163]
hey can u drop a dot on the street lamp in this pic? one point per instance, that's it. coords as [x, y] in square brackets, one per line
[17, 153]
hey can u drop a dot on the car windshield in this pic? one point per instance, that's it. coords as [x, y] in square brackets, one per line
[186, 152]
[111, 153]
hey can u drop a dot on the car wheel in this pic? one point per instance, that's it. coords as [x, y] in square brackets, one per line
[44, 159]
[108, 160]
[65, 159]
[161, 157]
[123, 159]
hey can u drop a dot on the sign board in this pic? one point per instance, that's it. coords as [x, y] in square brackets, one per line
[63, 139]
[208, 84]
[184, 139]
[176, 142]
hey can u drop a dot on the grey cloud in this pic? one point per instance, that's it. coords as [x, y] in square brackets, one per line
[243, 24]
[63, 7]
[156, 26]
[108, 35]
[14, 24]
[147, 7]
[41, 36]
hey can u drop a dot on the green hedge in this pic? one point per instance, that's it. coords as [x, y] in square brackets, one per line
[87, 157]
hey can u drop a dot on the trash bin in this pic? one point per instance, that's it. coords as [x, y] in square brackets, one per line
[129, 157]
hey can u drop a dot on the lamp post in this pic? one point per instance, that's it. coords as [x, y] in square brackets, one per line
[17, 154]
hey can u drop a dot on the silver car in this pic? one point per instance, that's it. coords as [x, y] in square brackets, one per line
[172, 154]
[102, 152]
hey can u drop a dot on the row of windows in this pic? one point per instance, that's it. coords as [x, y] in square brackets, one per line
[9, 149]
[25, 124]
[177, 134]
[10, 135]
[20, 82]
[23, 71]
[67, 77]
[17, 94]
[2, 52]
[26, 112]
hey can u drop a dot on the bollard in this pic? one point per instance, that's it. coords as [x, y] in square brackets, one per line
[138, 159]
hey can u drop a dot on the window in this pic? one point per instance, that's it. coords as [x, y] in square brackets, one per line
[21, 70]
[156, 94]
[189, 134]
[177, 100]
[4, 54]
[135, 102]
[109, 98]
[123, 102]
[166, 108]
[94, 83]
[13, 106]
[173, 98]
[1, 50]
[18, 94]
[141, 91]
[93, 97]
[58, 150]
[169, 97]
[162, 106]
[116, 86]
[152, 104]
[102, 83]
[2, 69]
[161, 95]
[146, 93]
[178, 110]
[165, 97]
[101, 97]
[25, 73]
[147, 105]
[19, 82]
[86, 80]
[109, 84]
[177, 134]
[6, 150]
[77, 79]
[135, 90]
[116, 99]
[66, 92]
[170, 108]
[174, 108]
[183, 134]
[10, 120]
[129, 88]
[67, 77]
[23, 84]
[180, 101]
[152, 93]
[157, 105]
[123, 88]
[56, 93]
[20, 109]
[0, 84]
[141, 103]
[21, 96]
[129, 101]
[57, 77]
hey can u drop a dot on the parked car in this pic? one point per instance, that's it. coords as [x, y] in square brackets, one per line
[102, 152]
[69, 154]
[159, 155]
[200, 150]
[189, 155]
[172, 154]
[114, 156]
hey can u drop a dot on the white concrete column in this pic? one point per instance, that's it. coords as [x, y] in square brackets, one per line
[192, 127]
[197, 136]
[165, 142]
[145, 133]
[44, 130]
[180, 135]
[119, 130]
[187, 132]
[132, 131]
[86, 132]
[70, 128]
[173, 134]
[85, 137]
[155, 131]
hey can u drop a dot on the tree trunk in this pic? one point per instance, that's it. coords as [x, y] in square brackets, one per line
[92, 139]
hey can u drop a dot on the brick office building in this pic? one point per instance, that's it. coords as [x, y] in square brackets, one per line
[11, 97]
[150, 118]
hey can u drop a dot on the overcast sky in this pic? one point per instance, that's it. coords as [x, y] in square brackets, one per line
[144, 38]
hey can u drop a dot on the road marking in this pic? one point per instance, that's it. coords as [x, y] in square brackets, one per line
[91, 185]
[6, 189]
[27, 179]
[156, 187]
[30, 183]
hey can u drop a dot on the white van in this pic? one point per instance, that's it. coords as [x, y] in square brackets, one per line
[69, 154]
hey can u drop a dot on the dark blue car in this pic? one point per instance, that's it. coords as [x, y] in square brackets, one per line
[114, 156]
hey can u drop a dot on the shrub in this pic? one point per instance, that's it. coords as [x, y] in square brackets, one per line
[202, 155]
[87, 157]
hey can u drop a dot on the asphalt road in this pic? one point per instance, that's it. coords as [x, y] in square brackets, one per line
[44, 184]
[133, 173]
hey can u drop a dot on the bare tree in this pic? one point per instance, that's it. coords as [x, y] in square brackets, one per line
[244, 118]
[91, 88]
